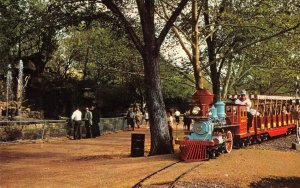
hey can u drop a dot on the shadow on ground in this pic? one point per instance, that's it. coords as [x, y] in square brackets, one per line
[277, 182]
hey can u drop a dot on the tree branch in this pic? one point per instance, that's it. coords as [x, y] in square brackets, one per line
[176, 27]
[116, 11]
[170, 22]
[255, 42]
[268, 37]
[184, 47]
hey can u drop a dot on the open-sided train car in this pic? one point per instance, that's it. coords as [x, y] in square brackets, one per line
[219, 127]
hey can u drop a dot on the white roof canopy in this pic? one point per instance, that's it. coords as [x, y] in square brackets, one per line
[264, 97]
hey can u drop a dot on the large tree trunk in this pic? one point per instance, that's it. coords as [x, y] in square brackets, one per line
[160, 138]
[195, 47]
[149, 49]
[214, 74]
[215, 77]
[211, 48]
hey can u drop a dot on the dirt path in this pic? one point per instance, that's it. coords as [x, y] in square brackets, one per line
[105, 162]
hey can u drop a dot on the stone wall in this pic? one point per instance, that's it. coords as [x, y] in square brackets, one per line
[32, 130]
[112, 124]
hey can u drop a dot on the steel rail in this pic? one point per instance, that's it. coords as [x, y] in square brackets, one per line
[139, 184]
[178, 177]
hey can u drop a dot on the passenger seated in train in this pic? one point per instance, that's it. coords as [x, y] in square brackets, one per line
[243, 100]
[254, 112]
[284, 111]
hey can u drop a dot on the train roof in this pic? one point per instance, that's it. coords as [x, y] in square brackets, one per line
[265, 97]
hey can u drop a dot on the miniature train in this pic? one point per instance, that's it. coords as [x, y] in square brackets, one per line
[221, 126]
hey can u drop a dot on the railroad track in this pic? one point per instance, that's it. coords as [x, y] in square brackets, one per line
[184, 169]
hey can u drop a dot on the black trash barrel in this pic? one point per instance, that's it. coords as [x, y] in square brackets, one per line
[137, 145]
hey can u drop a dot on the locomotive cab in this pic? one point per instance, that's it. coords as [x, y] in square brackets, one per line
[237, 115]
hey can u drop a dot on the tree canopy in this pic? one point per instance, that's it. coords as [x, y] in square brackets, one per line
[235, 36]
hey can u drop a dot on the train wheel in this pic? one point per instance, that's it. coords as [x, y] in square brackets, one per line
[228, 142]
[262, 138]
[250, 141]
[212, 154]
[236, 144]
[266, 137]
[247, 142]
[242, 143]
[258, 139]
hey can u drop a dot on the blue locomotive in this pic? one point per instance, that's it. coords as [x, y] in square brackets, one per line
[212, 130]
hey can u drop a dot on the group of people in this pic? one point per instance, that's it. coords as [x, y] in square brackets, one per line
[91, 127]
[187, 121]
[136, 118]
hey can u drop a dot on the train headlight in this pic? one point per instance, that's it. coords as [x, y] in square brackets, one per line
[196, 110]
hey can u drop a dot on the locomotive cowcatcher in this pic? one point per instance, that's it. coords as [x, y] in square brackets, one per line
[219, 126]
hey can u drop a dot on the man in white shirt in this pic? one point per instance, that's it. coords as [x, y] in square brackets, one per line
[76, 118]
[177, 116]
[243, 100]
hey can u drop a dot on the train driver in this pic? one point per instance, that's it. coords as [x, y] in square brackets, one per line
[243, 100]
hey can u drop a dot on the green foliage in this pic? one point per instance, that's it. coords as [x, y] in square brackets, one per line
[267, 66]
[243, 35]
[108, 60]
[176, 82]
[112, 64]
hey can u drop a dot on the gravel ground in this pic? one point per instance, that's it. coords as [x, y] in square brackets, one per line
[283, 143]
[274, 182]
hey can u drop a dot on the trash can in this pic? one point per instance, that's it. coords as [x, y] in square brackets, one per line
[137, 145]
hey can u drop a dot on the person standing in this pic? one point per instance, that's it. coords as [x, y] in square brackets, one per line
[177, 116]
[137, 120]
[88, 122]
[147, 119]
[96, 121]
[170, 128]
[187, 121]
[76, 118]
[143, 117]
[243, 100]
[130, 119]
